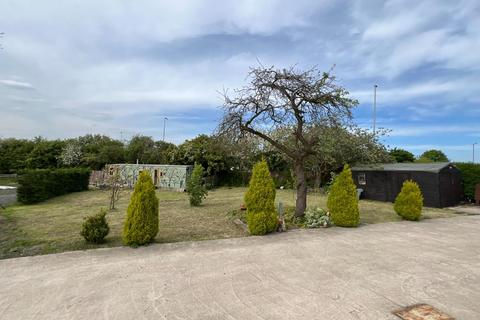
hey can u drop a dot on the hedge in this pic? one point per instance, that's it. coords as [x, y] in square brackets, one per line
[41, 184]
[471, 177]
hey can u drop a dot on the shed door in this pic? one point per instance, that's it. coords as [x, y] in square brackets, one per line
[376, 186]
[450, 189]
[155, 177]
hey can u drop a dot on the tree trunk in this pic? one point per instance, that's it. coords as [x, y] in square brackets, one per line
[318, 179]
[301, 203]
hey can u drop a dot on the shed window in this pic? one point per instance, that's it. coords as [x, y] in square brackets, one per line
[361, 179]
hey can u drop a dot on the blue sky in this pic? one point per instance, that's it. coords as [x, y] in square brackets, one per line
[68, 68]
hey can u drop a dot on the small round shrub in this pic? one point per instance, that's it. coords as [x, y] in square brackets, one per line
[95, 228]
[260, 223]
[409, 201]
[262, 217]
[317, 217]
[141, 224]
[195, 188]
[342, 200]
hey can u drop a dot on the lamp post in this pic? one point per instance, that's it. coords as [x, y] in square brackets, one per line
[374, 108]
[473, 152]
[164, 124]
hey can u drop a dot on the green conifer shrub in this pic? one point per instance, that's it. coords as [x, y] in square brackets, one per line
[141, 224]
[95, 228]
[195, 188]
[342, 200]
[409, 201]
[260, 201]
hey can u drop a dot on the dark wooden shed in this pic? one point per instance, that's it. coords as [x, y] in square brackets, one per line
[440, 182]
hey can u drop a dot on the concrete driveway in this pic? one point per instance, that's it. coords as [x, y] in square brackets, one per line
[335, 273]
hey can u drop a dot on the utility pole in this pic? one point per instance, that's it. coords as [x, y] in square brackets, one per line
[473, 152]
[374, 109]
[164, 124]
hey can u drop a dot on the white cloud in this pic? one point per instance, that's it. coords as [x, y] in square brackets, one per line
[459, 88]
[399, 36]
[429, 130]
[16, 84]
[96, 63]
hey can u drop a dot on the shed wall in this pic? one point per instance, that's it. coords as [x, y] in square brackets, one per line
[163, 176]
[386, 185]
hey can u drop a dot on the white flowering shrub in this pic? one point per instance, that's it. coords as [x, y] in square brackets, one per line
[317, 217]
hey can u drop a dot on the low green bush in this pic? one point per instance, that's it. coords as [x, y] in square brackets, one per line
[41, 184]
[317, 217]
[141, 224]
[342, 200]
[409, 201]
[195, 188]
[263, 222]
[262, 217]
[470, 176]
[95, 228]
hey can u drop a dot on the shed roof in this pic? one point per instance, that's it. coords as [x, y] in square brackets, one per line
[424, 167]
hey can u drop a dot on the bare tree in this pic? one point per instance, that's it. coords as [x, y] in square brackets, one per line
[115, 184]
[290, 101]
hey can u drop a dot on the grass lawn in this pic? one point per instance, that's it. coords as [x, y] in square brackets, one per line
[12, 182]
[54, 225]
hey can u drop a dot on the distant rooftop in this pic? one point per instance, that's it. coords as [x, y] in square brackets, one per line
[424, 167]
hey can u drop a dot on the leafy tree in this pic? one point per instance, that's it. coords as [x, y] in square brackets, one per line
[433, 156]
[139, 148]
[163, 153]
[14, 153]
[280, 167]
[141, 223]
[401, 155]
[92, 151]
[470, 177]
[299, 101]
[195, 188]
[45, 154]
[345, 144]
[409, 201]
[146, 150]
[342, 200]
[205, 150]
[239, 155]
[71, 154]
[260, 201]
[99, 150]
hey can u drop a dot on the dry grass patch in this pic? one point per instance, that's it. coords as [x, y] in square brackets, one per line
[54, 225]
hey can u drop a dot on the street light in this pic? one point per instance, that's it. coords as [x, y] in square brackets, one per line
[374, 108]
[164, 124]
[473, 151]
